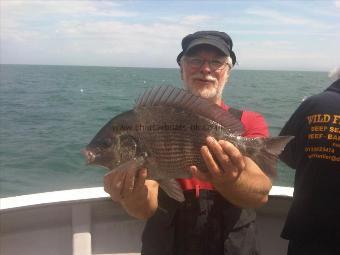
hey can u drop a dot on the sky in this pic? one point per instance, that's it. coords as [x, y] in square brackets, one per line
[268, 35]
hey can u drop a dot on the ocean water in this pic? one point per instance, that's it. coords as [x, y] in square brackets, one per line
[49, 113]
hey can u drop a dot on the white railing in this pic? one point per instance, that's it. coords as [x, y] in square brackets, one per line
[85, 194]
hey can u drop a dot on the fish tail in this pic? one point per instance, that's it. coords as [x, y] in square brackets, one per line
[269, 154]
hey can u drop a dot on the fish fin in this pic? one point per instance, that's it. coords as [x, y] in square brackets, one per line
[172, 188]
[136, 163]
[180, 98]
[268, 156]
[276, 145]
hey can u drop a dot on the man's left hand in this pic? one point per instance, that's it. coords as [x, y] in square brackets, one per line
[223, 160]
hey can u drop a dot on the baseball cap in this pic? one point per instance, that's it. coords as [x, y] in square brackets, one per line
[219, 40]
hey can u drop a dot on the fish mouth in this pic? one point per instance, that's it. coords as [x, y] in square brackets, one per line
[89, 155]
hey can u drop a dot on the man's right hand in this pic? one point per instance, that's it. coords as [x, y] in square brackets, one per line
[125, 181]
[128, 185]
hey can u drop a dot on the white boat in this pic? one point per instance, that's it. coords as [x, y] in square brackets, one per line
[85, 221]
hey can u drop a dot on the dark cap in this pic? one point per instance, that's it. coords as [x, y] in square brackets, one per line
[219, 40]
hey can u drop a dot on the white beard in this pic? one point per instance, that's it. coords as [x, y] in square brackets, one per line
[206, 92]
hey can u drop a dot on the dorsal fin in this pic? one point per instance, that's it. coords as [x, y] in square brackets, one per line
[180, 98]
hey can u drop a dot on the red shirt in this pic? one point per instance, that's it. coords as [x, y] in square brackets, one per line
[254, 125]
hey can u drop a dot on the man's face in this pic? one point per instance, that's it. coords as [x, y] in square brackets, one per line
[205, 80]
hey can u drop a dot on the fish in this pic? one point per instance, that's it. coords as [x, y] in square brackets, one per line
[164, 133]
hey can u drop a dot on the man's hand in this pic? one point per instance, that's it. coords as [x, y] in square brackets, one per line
[236, 177]
[223, 160]
[128, 185]
[125, 181]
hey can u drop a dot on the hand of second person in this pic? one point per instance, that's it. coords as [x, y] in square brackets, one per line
[125, 181]
[223, 160]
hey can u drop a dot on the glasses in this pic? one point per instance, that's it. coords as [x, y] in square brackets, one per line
[214, 64]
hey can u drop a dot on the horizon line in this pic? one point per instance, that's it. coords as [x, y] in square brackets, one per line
[152, 67]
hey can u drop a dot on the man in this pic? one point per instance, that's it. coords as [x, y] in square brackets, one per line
[313, 223]
[212, 219]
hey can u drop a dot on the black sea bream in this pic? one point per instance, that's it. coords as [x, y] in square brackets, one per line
[165, 131]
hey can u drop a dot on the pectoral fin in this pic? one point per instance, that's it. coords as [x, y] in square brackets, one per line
[172, 189]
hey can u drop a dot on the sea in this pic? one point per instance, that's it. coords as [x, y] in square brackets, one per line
[49, 113]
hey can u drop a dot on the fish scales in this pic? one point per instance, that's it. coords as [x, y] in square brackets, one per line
[175, 150]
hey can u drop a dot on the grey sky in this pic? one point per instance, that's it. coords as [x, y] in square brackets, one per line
[280, 35]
